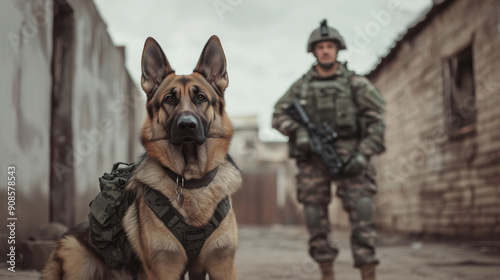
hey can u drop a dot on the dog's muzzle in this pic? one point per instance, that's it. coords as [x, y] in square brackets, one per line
[187, 129]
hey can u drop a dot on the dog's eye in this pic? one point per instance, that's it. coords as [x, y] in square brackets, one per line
[201, 97]
[169, 98]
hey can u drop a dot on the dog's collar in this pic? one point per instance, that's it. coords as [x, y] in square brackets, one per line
[193, 183]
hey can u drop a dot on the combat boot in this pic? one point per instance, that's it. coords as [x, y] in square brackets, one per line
[326, 268]
[368, 272]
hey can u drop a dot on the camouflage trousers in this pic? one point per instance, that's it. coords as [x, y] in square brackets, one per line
[357, 193]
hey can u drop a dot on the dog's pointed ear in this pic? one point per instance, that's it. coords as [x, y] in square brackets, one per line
[212, 64]
[155, 66]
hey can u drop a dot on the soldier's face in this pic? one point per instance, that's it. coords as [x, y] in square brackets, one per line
[325, 52]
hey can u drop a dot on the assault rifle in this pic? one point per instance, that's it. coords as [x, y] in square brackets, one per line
[322, 137]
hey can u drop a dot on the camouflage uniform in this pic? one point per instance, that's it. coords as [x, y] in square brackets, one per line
[354, 108]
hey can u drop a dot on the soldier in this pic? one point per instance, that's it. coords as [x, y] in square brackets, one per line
[354, 108]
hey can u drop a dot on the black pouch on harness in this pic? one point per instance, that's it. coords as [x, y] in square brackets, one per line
[106, 214]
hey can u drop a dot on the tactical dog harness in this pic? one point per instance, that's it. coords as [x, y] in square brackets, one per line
[108, 208]
[192, 238]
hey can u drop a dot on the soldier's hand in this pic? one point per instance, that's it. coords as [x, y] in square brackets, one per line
[302, 139]
[356, 164]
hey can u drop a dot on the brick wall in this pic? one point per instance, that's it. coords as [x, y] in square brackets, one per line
[428, 183]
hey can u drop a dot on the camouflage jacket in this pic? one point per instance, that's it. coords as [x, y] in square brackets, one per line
[368, 106]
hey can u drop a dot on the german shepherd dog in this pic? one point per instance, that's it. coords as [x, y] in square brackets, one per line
[187, 131]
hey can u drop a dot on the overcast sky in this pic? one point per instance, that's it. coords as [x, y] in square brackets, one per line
[264, 41]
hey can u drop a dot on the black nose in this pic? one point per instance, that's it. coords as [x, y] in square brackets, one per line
[187, 123]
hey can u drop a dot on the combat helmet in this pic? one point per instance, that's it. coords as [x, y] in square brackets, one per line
[325, 33]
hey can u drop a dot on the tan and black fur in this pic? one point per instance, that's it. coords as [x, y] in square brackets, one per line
[188, 131]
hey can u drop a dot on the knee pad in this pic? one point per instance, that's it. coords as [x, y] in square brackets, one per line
[324, 253]
[365, 209]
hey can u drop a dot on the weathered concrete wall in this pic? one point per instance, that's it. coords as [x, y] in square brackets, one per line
[25, 81]
[106, 110]
[429, 183]
[106, 99]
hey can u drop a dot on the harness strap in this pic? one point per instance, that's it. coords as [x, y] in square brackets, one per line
[134, 268]
[192, 238]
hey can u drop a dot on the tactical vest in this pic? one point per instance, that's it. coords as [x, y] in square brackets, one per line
[110, 205]
[332, 101]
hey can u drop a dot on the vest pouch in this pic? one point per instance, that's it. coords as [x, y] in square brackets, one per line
[346, 121]
[106, 214]
[309, 105]
[325, 105]
[104, 221]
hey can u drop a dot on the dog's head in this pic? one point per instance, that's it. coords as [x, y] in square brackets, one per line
[187, 128]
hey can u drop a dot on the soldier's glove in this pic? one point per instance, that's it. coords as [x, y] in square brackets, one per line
[302, 139]
[356, 164]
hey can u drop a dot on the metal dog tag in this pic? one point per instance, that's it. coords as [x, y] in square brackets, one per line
[180, 199]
